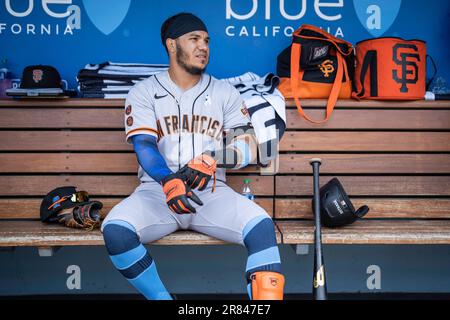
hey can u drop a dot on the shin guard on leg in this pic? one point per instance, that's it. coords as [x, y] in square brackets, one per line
[267, 285]
[263, 270]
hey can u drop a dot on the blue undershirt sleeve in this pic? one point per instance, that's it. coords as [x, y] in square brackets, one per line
[149, 156]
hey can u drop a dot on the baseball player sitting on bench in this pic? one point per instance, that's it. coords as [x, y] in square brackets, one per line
[176, 121]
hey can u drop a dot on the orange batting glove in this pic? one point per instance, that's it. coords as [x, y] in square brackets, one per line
[197, 172]
[178, 194]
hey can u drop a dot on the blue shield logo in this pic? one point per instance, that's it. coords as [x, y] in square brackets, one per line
[106, 15]
[377, 16]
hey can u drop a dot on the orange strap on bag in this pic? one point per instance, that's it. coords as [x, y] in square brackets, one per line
[390, 69]
[315, 52]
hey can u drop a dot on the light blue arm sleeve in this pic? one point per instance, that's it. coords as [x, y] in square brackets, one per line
[149, 156]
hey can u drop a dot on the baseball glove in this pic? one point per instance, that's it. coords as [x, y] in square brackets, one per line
[85, 216]
[197, 172]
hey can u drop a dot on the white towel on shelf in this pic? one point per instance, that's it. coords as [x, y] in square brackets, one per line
[267, 109]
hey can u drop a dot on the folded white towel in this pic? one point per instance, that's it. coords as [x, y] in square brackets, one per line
[267, 109]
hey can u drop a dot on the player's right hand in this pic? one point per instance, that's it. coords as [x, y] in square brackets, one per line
[178, 194]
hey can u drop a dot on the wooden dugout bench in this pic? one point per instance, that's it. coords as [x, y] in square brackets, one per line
[392, 156]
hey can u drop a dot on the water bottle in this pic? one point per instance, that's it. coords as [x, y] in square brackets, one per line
[247, 191]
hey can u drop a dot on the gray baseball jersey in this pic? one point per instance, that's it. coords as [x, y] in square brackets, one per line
[186, 124]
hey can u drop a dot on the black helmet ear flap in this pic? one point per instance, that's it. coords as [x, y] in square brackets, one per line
[362, 211]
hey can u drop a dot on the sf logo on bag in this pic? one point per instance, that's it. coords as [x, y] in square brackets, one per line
[406, 56]
[326, 67]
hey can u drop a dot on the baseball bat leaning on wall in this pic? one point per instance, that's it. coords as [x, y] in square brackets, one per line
[319, 283]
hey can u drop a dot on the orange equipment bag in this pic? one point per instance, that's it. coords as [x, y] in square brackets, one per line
[390, 69]
[316, 65]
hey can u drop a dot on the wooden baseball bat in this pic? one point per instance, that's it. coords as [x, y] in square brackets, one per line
[319, 283]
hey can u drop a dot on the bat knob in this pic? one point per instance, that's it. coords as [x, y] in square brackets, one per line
[313, 160]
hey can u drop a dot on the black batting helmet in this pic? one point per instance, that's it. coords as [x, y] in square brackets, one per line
[336, 208]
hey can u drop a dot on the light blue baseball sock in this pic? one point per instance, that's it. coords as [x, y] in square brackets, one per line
[132, 260]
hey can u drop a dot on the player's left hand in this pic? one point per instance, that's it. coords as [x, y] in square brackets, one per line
[197, 172]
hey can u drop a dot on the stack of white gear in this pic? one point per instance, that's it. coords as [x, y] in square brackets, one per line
[111, 80]
[267, 109]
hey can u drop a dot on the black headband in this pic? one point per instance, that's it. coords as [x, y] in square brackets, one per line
[181, 24]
